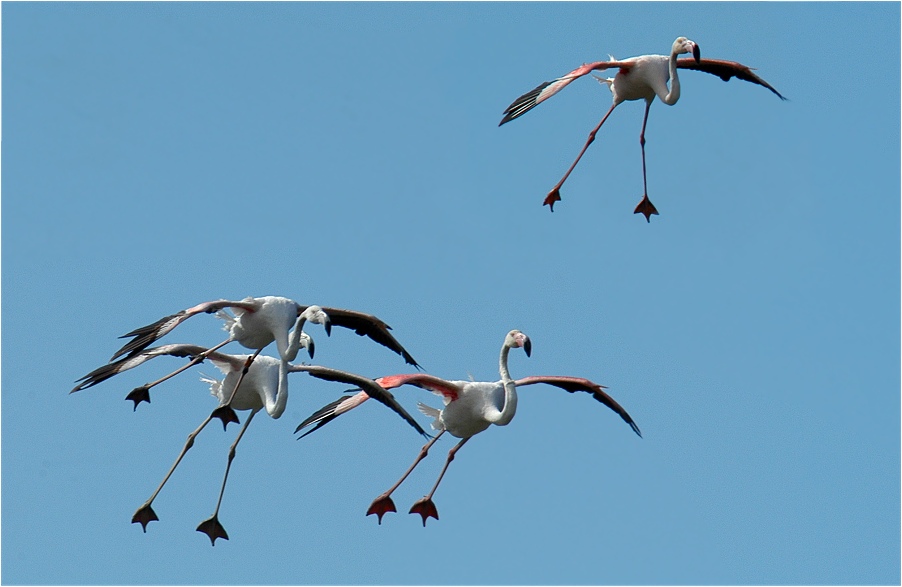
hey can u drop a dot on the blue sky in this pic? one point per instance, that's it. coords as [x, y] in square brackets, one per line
[160, 155]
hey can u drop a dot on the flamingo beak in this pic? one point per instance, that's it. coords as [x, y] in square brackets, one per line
[527, 347]
[696, 53]
[310, 348]
[328, 326]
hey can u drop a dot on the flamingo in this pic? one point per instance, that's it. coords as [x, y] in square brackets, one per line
[251, 383]
[642, 77]
[259, 321]
[253, 328]
[470, 408]
[256, 323]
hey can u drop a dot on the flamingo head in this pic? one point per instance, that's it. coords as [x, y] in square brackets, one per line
[317, 315]
[306, 341]
[684, 45]
[516, 339]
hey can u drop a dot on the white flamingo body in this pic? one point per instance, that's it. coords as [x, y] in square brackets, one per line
[479, 405]
[638, 78]
[263, 386]
[272, 320]
[646, 78]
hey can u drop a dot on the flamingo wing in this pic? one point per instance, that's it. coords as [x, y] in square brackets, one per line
[130, 362]
[725, 70]
[574, 384]
[369, 387]
[366, 325]
[345, 404]
[329, 412]
[545, 90]
[147, 335]
[448, 390]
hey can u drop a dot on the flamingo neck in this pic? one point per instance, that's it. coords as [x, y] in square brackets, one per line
[294, 340]
[509, 409]
[275, 407]
[674, 94]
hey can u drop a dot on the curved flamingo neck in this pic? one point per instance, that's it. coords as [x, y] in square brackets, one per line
[275, 407]
[294, 340]
[502, 363]
[503, 417]
[674, 94]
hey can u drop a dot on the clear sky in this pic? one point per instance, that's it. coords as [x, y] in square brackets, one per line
[160, 155]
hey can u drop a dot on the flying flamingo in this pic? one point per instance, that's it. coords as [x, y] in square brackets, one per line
[262, 330]
[642, 77]
[258, 322]
[470, 408]
[251, 383]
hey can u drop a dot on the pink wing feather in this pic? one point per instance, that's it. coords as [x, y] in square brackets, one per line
[534, 97]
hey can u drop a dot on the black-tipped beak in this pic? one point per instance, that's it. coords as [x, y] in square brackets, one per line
[328, 327]
[311, 348]
[527, 347]
[696, 53]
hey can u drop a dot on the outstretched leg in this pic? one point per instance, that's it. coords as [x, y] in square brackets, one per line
[425, 507]
[145, 514]
[645, 207]
[555, 194]
[142, 393]
[211, 526]
[384, 504]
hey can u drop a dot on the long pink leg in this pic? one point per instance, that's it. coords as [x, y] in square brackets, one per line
[645, 207]
[555, 194]
[211, 526]
[141, 394]
[145, 514]
[384, 504]
[425, 507]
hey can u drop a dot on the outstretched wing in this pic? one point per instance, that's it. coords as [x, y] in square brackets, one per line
[543, 91]
[147, 335]
[366, 325]
[369, 388]
[574, 384]
[345, 404]
[448, 390]
[106, 371]
[725, 70]
[329, 412]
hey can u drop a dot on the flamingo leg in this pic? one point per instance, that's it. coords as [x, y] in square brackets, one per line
[645, 207]
[225, 411]
[211, 526]
[425, 507]
[384, 504]
[555, 194]
[141, 394]
[145, 514]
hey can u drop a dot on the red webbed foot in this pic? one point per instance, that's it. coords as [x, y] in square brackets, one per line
[381, 506]
[552, 197]
[646, 208]
[425, 508]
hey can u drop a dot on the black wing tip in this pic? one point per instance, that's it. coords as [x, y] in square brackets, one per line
[635, 428]
[320, 417]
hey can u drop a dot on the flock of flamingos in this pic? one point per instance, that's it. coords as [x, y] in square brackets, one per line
[255, 382]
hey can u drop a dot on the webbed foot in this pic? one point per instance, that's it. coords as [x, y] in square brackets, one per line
[381, 506]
